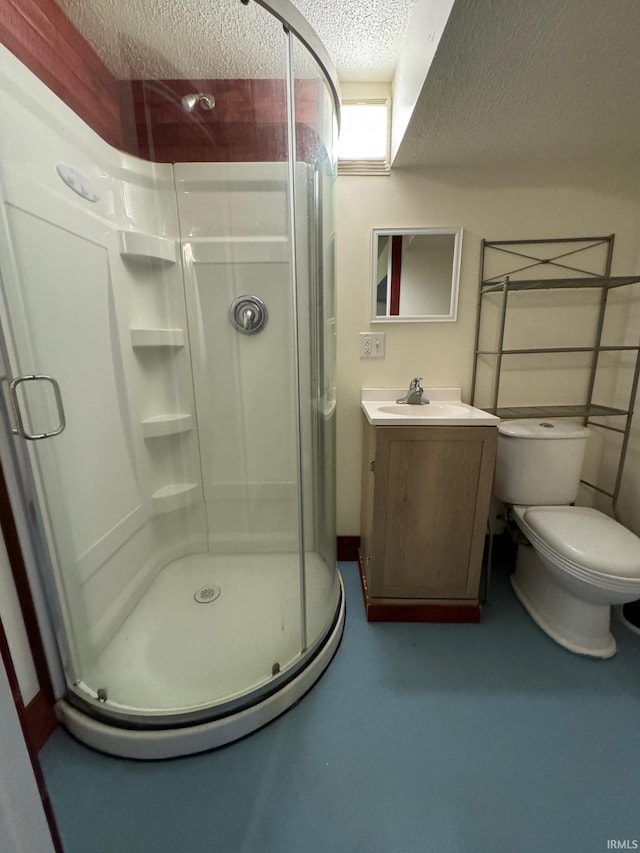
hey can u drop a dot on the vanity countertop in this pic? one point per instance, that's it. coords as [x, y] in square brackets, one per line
[445, 408]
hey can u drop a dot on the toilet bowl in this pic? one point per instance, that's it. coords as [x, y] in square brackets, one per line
[577, 562]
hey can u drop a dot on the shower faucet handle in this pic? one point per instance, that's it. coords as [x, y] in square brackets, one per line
[248, 314]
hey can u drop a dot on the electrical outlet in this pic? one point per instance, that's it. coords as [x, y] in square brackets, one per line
[371, 344]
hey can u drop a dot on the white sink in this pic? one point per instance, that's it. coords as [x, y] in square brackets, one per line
[444, 408]
[429, 410]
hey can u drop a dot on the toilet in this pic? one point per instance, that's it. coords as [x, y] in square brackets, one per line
[577, 562]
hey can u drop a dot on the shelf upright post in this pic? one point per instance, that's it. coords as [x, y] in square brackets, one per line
[627, 433]
[503, 318]
[598, 336]
[478, 315]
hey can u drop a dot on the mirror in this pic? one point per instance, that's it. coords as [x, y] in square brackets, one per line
[415, 274]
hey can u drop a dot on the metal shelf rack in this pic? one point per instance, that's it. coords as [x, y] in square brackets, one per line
[555, 257]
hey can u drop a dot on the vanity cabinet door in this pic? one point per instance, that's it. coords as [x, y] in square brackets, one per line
[430, 508]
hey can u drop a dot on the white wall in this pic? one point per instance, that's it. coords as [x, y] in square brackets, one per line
[550, 200]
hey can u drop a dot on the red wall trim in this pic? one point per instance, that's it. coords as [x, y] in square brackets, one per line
[23, 589]
[396, 270]
[348, 548]
[145, 117]
[42, 37]
[40, 720]
[5, 658]
[247, 124]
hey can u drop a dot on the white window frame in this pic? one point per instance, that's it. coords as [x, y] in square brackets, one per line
[374, 166]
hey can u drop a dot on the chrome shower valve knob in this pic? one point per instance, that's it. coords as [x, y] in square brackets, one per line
[248, 314]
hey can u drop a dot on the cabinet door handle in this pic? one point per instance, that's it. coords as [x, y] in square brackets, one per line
[372, 465]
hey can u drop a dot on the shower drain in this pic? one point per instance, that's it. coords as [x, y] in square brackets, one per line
[206, 594]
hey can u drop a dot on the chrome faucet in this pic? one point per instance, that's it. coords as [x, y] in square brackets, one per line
[414, 395]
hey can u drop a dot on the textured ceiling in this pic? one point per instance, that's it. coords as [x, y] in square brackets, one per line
[223, 38]
[180, 38]
[522, 79]
[363, 37]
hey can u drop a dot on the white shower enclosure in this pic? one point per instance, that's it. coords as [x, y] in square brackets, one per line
[175, 460]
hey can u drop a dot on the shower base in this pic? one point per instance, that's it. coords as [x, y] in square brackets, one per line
[181, 676]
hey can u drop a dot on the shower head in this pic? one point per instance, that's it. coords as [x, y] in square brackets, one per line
[190, 102]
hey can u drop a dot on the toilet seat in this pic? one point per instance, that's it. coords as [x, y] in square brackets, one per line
[585, 543]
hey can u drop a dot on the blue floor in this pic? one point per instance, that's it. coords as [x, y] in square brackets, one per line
[419, 737]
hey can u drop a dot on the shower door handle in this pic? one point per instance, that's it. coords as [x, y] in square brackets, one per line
[15, 404]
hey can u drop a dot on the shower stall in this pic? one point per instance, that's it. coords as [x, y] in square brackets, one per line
[168, 349]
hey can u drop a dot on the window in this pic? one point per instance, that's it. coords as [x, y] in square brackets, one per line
[363, 145]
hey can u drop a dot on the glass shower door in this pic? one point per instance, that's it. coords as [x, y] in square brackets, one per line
[118, 489]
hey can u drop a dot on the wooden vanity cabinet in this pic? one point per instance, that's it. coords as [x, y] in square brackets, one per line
[425, 504]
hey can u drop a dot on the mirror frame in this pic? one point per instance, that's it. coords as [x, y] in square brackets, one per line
[455, 275]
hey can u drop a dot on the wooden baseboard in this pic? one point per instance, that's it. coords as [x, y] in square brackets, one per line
[39, 720]
[348, 548]
[406, 610]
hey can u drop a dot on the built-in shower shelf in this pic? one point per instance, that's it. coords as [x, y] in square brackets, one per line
[157, 337]
[174, 496]
[161, 425]
[132, 244]
[240, 250]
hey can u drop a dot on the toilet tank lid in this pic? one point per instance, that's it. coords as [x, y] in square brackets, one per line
[587, 537]
[542, 428]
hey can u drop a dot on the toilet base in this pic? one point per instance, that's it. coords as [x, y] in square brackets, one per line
[577, 625]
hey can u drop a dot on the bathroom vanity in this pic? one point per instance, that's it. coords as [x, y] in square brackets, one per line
[426, 486]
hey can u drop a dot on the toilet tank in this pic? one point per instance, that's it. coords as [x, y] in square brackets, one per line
[539, 462]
